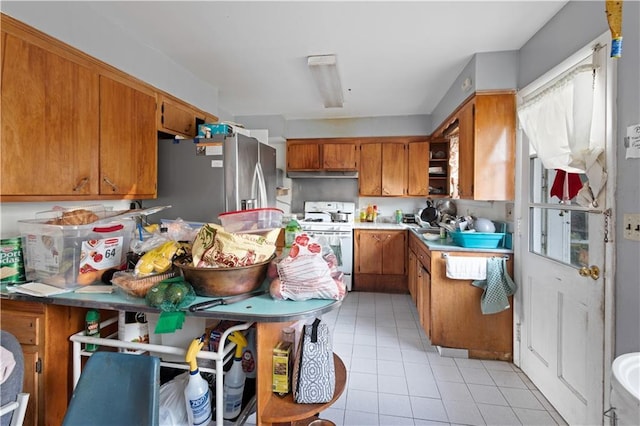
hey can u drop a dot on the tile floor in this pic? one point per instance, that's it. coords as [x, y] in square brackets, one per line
[395, 376]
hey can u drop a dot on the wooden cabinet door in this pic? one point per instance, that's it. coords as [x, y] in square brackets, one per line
[394, 248]
[456, 317]
[466, 146]
[394, 175]
[49, 123]
[178, 118]
[418, 164]
[128, 141]
[32, 386]
[339, 156]
[412, 276]
[494, 148]
[303, 156]
[369, 252]
[370, 176]
[419, 271]
[425, 299]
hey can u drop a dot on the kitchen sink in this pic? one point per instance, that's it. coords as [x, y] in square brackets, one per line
[428, 231]
[625, 388]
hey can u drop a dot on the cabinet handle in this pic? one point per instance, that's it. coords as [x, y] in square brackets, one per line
[81, 184]
[113, 186]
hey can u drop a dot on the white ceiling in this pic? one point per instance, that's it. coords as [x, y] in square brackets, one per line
[394, 58]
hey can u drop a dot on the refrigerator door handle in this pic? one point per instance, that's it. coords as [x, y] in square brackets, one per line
[260, 188]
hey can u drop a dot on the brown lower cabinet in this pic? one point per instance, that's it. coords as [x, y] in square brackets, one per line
[43, 331]
[380, 261]
[449, 310]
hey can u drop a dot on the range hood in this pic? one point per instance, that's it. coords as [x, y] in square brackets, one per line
[322, 174]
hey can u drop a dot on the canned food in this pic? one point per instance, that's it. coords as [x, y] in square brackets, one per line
[11, 261]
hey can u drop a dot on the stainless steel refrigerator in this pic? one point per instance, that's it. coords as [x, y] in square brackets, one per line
[201, 180]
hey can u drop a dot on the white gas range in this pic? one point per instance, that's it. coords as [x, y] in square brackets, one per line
[334, 221]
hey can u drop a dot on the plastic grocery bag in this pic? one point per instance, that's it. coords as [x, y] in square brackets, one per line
[308, 271]
[173, 411]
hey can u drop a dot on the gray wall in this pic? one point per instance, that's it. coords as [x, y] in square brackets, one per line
[572, 28]
[487, 71]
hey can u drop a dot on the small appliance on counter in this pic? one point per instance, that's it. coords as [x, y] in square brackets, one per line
[408, 218]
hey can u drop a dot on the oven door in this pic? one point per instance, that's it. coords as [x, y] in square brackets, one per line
[341, 243]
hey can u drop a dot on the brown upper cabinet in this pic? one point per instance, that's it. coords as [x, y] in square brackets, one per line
[384, 169]
[418, 173]
[73, 127]
[178, 118]
[128, 140]
[322, 154]
[394, 166]
[50, 122]
[485, 152]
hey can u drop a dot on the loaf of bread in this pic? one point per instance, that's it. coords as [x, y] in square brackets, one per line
[75, 217]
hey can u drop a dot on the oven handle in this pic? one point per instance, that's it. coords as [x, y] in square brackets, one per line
[331, 233]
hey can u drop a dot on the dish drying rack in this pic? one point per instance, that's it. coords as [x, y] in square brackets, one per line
[219, 357]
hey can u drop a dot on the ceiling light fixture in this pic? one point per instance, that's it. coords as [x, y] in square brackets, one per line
[325, 74]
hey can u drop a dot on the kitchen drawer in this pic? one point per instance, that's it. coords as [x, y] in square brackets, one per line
[424, 256]
[26, 327]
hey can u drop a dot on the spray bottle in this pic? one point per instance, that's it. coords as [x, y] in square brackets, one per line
[197, 394]
[234, 379]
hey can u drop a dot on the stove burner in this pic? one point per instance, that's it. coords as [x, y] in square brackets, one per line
[313, 220]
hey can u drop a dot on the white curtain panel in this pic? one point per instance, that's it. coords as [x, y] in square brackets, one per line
[558, 122]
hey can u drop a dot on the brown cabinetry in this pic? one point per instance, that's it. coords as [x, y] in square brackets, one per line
[423, 296]
[128, 140]
[178, 118]
[457, 320]
[449, 310]
[322, 154]
[50, 123]
[73, 127]
[43, 331]
[485, 154]
[439, 168]
[384, 169]
[418, 175]
[419, 279]
[71, 130]
[380, 261]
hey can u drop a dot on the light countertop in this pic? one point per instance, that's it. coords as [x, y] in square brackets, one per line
[437, 245]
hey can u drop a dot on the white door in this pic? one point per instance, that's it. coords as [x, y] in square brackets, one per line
[564, 317]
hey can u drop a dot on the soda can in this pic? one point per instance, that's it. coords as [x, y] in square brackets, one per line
[398, 216]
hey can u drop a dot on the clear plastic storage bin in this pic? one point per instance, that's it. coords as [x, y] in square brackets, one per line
[71, 255]
[254, 220]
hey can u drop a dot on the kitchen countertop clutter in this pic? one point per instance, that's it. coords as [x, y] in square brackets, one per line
[439, 244]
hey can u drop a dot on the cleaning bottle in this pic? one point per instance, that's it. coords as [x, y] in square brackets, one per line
[234, 379]
[290, 231]
[249, 355]
[197, 394]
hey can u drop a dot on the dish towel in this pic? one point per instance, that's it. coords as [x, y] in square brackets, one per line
[466, 268]
[334, 243]
[497, 287]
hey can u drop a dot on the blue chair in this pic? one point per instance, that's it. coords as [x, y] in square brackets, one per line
[116, 389]
[14, 402]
